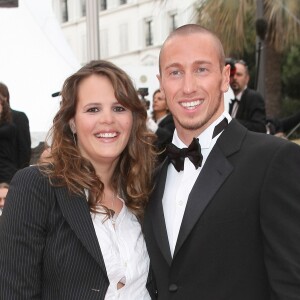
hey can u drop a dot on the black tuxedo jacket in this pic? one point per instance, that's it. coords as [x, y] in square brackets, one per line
[48, 245]
[239, 237]
[251, 111]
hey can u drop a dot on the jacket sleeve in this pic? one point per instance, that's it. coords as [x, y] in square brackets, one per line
[280, 221]
[23, 230]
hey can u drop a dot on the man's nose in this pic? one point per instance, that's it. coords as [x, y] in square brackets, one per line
[189, 84]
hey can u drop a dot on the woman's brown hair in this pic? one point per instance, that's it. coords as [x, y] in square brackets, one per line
[132, 175]
[5, 115]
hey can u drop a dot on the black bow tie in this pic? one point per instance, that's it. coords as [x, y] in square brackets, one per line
[193, 152]
[177, 156]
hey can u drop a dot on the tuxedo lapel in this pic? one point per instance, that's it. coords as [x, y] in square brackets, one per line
[215, 171]
[157, 213]
[231, 106]
[75, 209]
[242, 105]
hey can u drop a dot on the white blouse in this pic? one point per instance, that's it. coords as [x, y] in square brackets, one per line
[125, 254]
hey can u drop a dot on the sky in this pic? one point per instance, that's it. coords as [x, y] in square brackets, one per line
[35, 59]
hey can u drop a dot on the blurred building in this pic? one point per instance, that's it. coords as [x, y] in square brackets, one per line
[131, 32]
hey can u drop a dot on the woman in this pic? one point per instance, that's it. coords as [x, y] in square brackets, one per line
[71, 228]
[8, 166]
[162, 123]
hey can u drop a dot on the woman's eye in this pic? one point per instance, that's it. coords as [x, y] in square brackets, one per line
[93, 109]
[119, 108]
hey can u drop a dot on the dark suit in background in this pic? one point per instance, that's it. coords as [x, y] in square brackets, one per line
[23, 140]
[41, 257]
[164, 134]
[251, 111]
[239, 237]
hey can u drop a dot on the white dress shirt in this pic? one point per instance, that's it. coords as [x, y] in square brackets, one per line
[179, 184]
[237, 103]
[125, 255]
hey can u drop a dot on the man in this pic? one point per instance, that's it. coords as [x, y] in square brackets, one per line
[248, 107]
[227, 229]
[23, 141]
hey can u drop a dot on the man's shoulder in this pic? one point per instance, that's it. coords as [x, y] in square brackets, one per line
[250, 93]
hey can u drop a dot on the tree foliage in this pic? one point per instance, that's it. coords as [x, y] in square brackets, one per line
[234, 22]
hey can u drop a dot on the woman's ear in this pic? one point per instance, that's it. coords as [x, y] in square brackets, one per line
[72, 125]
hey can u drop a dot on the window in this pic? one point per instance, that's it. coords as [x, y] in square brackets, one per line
[173, 21]
[123, 29]
[83, 8]
[104, 43]
[123, 2]
[64, 10]
[103, 4]
[149, 32]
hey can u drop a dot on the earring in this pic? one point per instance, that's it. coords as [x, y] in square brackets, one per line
[74, 139]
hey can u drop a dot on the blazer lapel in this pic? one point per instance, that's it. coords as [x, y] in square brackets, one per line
[157, 213]
[216, 169]
[75, 209]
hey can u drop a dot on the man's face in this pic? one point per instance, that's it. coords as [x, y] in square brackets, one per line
[240, 79]
[193, 82]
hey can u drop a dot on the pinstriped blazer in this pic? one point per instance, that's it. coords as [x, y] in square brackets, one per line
[48, 245]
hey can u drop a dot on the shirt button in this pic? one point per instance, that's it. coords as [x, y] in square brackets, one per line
[180, 202]
[173, 288]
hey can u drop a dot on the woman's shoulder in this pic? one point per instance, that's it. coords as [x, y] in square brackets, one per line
[31, 176]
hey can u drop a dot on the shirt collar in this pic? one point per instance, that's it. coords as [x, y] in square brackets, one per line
[239, 95]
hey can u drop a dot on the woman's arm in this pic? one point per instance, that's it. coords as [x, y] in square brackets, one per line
[23, 231]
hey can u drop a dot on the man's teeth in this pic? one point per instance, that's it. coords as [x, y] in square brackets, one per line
[106, 135]
[190, 105]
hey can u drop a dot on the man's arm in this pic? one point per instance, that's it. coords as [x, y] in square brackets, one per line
[280, 222]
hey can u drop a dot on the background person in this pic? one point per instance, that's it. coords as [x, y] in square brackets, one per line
[70, 229]
[8, 166]
[248, 107]
[222, 224]
[3, 192]
[23, 140]
[161, 124]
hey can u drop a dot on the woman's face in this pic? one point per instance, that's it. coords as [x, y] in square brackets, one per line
[159, 103]
[103, 126]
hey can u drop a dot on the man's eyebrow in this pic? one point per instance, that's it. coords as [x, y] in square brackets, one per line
[173, 65]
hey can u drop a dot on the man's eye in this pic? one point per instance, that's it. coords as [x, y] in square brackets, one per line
[201, 70]
[175, 73]
[119, 108]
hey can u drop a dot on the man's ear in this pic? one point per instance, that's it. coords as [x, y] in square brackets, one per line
[158, 76]
[72, 125]
[226, 78]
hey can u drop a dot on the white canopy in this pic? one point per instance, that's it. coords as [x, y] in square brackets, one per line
[35, 60]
